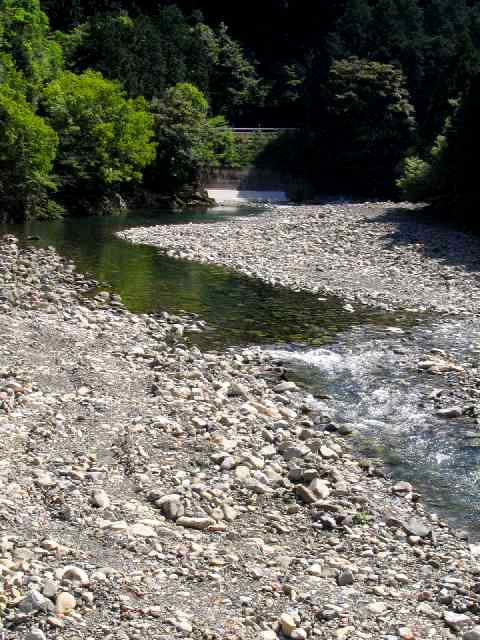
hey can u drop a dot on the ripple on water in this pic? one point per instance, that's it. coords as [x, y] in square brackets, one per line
[374, 383]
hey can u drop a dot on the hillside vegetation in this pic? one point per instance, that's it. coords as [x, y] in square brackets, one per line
[115, 102]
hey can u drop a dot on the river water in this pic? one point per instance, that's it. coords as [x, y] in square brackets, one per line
[354, 358]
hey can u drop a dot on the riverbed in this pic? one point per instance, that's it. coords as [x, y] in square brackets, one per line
[363, 357]
[152, 488]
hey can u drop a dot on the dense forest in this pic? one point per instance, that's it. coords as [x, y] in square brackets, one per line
[109, 102]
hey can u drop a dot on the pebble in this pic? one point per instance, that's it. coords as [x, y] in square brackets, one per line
[195, 523]
[65, 603]
[345, 578]
[33, 601]
[75, 574]
[100, 499]
[377, 608]
[287, 624]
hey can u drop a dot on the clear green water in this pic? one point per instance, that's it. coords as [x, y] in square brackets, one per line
[239, 310]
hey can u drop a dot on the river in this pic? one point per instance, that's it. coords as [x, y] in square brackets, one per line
[357, 358]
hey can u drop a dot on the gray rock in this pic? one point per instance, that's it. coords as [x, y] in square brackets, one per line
[34, 601]
[456, 620]
[473, 634]
[171, 506]
[345, 578]
[416, 527]
[304, 494]
[35, 634]
[289, 453]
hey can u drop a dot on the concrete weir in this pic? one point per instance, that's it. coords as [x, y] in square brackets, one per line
[235, 196]
[247, 185]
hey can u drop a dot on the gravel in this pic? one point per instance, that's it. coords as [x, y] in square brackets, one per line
[152, 491]
[390, 256]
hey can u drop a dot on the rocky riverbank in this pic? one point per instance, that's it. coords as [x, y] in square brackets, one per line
[387, 255]
[150, 490]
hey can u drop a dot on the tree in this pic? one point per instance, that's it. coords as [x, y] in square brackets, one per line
[27, 151]
[352, 35]
[184, 138]
[105, 138]
[235, 84]
[368, 127]
[447, 178]
[122, 48]
[25, 37]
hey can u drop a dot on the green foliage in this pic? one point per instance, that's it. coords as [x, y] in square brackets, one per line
[149, 54]
[237, 151]
[25, 38]
[415, 180]
[448, 177]
[183, 136]
[235, 84]
[105, 138]
[436, 43]
[143, 53]
[27, 152]
[369, 126]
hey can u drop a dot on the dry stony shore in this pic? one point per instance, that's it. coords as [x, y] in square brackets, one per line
[152, 491]
[386, 255]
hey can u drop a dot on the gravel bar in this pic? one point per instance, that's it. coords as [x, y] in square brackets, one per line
[390, 256]
[152, 491]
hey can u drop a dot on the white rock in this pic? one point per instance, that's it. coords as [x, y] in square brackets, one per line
[327, 453]
[287, 624]
[195, 523]
[65, 603]
[450, 412]
[285, 386]
[319, 488]
[100, 499]
[142, 530]
[377, 608]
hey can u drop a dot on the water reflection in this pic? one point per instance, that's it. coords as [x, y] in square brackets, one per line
[240, 310]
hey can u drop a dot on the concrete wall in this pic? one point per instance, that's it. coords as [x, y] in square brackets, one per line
[246, 180]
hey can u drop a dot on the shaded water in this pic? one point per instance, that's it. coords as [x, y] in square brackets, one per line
[329, 349]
